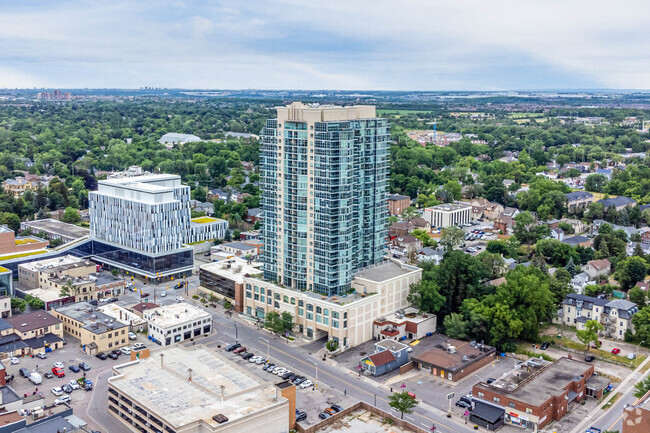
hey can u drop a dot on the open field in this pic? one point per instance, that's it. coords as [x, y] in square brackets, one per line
[382, 111]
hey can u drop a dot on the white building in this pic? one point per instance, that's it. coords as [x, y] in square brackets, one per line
[197, 390]
[122, 315]
[177, 322]
[206, 229]
[449, 214]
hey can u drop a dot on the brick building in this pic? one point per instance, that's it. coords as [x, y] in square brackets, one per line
[397, 204]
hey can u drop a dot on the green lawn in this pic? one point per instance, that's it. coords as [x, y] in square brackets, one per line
[382, 111]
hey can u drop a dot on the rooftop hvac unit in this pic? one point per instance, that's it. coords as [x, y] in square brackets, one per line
[465, 358]
[451, 349]
[399, 316]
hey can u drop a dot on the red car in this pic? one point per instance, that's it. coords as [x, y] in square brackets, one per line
[239, 350]
[616, 351]
[58, 372]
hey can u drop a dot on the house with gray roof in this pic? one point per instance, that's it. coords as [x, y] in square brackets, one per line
[615, 316]
[578, 200]
[619, 203]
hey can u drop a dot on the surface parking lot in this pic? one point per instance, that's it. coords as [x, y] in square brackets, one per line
[310, 400]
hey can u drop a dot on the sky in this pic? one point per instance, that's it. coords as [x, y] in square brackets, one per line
[331, 44]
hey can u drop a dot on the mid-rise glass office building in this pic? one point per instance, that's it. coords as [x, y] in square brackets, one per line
[324, 173]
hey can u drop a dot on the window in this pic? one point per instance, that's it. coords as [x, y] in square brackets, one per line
[277, 296]
[269, 300]
[262, 298]
[262, 290]
[270, 293]
[249, 310]
[335, 323]
[319, 310]
[310, 316]
[319, 318]
[529, 410]
[301, 303]
[285, 299]
[249, 295]
[276, 304]
[345, 315]
[310, 307]
[257, 297]
[293, 301]
[301, 311]
[496, 399]
[335, 314]
[345, 323]
[326, 321]
[257, 289]
[481, 394]
[248, 286]
[326, 312]
[512, 405]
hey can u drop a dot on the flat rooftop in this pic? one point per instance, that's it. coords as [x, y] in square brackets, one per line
[57, 227]
[205, 220]
[51, 263]
[449, 207]
[384, 271]
[168, 393]
[175, 314]
[95, 321]
[433, 350]
[233, 269]
[547, 381]
[45, 295]
[121, 314]
[410, 315]
[239, 246]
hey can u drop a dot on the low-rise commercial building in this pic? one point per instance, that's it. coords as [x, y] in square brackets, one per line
[539, 392]
[135, 322]
[197, 391]
[449, 214]
[206, 229]
[405, 324]
[12, 246]
[37, 273]
[96, 331]
[177, 322]
[388, 356]
[240, 249]
[397, 203]
[31, 332]
[636, 417]
[379, 290]
[55, 229]
[224, 279]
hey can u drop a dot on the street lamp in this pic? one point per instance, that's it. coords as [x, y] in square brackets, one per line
[236, 339]
[479, 378]
[268, 354]
[636, 352]
[315, 365]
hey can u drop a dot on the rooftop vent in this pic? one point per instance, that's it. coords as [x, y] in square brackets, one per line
[220, 418]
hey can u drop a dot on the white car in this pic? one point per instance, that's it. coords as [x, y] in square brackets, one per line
[132, 336]
[254, 358]
[631, 356]
[260, 361]
[306, 384]
[280, 372]
[59, 365]
[41, 355]
[73, 384]
[63, 399]
[125, 350]
[179, 299]
[163, 294]
[137, 345]
[57, 391]
[103, 299]
[14, 360]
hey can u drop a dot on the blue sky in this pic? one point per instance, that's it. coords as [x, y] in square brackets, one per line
[353, 44]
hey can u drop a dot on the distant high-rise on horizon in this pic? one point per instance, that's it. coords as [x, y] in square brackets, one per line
[324, 173]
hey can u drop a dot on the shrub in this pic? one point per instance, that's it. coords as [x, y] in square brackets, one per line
[195, 296]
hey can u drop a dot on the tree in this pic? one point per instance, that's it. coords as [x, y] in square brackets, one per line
[34, 302]
[11, 220]
[455, 326]
[68, 290]
[286, 321]
[590, 333]
[402, 402]
[451, 237]
[523, 228]
[71, 215]
[571, 268]
[18, 304]
[459, 276]
[425, 294]
[595, 182]
[638, 296]
[642, 387]
[409, 212]
[453, 190]
[630, 271]
[422, 235]
[641, 322]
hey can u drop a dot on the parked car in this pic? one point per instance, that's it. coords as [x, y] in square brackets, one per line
[24, 372]
[306, 384]
[113, 300]
[491, 379]
[101, 355]
[58, 365]
[58, 372]
[329, 411]
[125, 350]
[463, 404]
[292, 377]
[67, 388]
[336, 408]
[139, 345]
[247, 355]
[299, 380]
[14, 360]
[467, 399]
[113, 355]
[74, 368]
[544, 345]
[48, 375]
[73, 384]
[232, 347]
[589, 358]
[616, 351]
[57, 391]
[286, 375]
[240, 349]
[41, 355]
[301, 416]
[260, 361]
[63, 399]
[631, 355]
[84, 366]
[324, 415]
[268, 365]
[132, 336]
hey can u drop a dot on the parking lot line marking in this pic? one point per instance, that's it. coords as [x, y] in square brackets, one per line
[321, 372]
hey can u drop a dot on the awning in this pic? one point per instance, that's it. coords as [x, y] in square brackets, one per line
[572, 395]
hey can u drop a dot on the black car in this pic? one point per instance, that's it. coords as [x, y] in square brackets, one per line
[67, 388]
[324, 415]
[74, 368]
[286, 376]
[301, 416]
[48, 375]
[544, 345]
[232, 347]
[101, 356]
[84, 366]
[336, 408]
[491, 379]
[24, 372]
[292, 377]
[247, 355]
[466, 399]
[178, 286]
[113, 300]
[113, 355]
[463, 404]
[589, 358]
[117, 352]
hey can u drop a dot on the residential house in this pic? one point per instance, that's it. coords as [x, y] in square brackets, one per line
[578, 200]
[406, 323]
[389, 355]
[643, 285]
[645, 234]
[38, 330]
[404, 245]
[217, 194]
[615, 316]
[557, 234]
[579, 281]
[631, 247]
[575, 241]
[607, 172]
[493, 211]
[577, 225]
[508, 216]
[597, 268]
[619, 203]
[478, 207]
[420, 224]
[397, 203]
[429, 254]
[400, 228]
[254, 215]
[629, 231]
